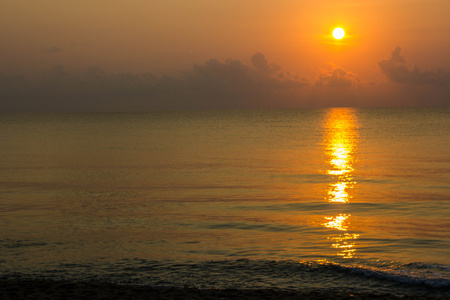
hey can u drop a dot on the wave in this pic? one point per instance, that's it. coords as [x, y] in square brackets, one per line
[377, 277]
[435, 276]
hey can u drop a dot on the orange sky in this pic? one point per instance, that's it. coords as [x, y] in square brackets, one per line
[170, 37]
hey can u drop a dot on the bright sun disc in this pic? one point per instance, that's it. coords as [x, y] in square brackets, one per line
[338, 33]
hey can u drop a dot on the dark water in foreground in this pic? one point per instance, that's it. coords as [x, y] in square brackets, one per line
[335, 199]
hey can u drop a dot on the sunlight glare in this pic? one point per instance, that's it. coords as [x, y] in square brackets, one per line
[342, 242]
[340, 144]
[338, 33]
[337, 222]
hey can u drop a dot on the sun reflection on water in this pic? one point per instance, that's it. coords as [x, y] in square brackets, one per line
[340, 145]
[344, 243]
[338, 192]
[337, 222]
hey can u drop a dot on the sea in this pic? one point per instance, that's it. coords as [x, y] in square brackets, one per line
[330, 200]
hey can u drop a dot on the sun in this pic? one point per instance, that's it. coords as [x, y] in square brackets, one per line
[338, 33]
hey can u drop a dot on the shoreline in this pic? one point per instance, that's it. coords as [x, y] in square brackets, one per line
[45, 289]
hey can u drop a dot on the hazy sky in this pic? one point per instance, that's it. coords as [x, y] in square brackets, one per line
[203, 54]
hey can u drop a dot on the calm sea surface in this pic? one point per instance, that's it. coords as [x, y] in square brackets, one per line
[337, 199]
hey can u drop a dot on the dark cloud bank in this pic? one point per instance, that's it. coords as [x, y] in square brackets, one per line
[395, 69]
[215, 85]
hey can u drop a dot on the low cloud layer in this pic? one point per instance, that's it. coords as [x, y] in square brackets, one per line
[395, 69]
[220, 85]
[338, 77]
[212, 85]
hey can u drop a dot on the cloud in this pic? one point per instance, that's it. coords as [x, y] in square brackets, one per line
[232, 75]
[338, 78]
[395, 70]
[214, 84]
[229, 84]
[261, 64]
[233, 84]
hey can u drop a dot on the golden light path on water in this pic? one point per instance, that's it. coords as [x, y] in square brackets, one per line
[340, 141]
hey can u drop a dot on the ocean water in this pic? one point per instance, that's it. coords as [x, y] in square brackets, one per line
[335, 199]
